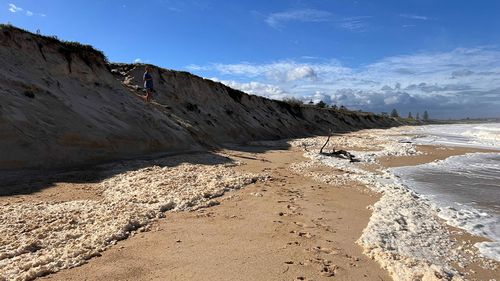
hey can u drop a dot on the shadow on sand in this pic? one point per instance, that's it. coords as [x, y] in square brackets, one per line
[25, 182]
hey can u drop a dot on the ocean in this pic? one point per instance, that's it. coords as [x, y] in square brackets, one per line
[466, 188]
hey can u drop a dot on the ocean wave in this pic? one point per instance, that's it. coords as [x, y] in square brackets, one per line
[465, 192]
[472, 135]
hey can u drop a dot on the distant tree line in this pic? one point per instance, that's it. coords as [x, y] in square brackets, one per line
[319, 104]
[395, 114]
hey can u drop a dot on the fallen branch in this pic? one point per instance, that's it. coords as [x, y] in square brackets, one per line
[337, 153]
[327, 140]
[341, 154]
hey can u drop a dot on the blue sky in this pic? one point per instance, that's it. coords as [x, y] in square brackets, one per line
[437, 55]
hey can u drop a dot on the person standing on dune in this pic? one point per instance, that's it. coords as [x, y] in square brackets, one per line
[148, 84]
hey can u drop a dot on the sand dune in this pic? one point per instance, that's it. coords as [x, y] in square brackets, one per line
[62, 104]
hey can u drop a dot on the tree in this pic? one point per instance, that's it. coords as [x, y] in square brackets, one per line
[418, 116]
[334, 107]
[311, 102]
[409, 115]
[321, 104]
[394, 113]
[343, 107]
[426, 116]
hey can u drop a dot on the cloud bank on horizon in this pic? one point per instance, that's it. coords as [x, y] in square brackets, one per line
[459, 83]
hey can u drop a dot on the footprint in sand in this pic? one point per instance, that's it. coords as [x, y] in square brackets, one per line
[324, 250]
[305, 234]
[301, 224]
[327, 268]
[325, 227]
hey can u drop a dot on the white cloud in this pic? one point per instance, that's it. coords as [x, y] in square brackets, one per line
[14, 9]
[309, 57]
[414, 17]
[321, 96]
[137, 60]
[458, 83]
[281, 71]
[353, 23]
[276, 20]
[256, 88]
[301, 72]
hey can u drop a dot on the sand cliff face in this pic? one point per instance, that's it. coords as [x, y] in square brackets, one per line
[62, 104]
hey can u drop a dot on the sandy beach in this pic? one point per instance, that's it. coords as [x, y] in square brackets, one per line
[282, 215]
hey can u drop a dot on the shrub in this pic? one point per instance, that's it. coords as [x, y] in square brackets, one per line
[295, 102]
[321, 104]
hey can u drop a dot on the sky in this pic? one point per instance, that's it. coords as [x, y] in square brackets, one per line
[442, 56]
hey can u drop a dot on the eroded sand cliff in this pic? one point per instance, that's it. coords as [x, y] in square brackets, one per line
[62, 104]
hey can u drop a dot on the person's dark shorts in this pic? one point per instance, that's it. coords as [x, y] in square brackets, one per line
[150, 90]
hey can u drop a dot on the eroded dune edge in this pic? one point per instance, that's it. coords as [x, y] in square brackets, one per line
[63, 104]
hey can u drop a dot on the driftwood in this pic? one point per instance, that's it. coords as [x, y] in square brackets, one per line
[327, 140]
[341, 154]
[337, 153]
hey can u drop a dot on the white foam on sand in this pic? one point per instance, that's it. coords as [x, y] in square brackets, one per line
[405, 234]
[40, 238]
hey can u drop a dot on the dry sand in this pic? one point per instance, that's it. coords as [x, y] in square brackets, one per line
[303, 223]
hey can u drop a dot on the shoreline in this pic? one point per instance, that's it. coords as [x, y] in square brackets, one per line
[477, 266]
[403, 213]
[294, 220]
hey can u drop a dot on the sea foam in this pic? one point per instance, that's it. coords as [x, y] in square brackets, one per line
[44, 237]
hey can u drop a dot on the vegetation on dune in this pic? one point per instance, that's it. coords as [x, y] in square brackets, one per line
[293, 101]
[67, 48]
